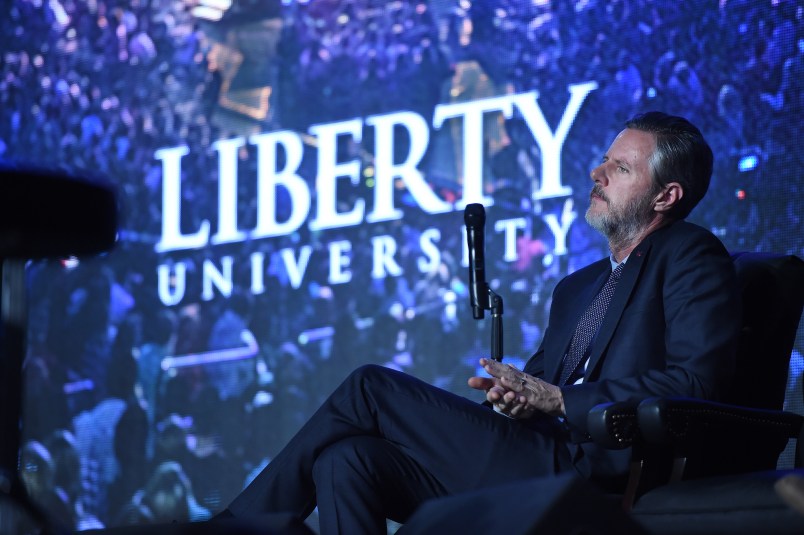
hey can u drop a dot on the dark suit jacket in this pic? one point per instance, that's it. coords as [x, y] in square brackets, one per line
[670, 329]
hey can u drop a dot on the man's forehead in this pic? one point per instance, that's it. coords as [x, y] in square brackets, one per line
[632, 146]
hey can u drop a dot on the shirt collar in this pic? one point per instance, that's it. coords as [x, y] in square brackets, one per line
[614, 263]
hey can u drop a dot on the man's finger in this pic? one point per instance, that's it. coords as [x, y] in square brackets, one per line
[517, 384]
[481, 383]
[494, 394]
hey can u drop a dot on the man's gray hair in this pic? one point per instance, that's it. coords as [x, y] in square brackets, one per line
[682, 155]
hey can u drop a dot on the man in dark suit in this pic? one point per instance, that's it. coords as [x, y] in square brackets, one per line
[384, 442]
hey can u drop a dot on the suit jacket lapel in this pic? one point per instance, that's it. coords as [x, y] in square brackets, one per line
[622, 293]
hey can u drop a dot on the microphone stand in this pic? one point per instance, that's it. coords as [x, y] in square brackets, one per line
[481, 297]
[494, 303]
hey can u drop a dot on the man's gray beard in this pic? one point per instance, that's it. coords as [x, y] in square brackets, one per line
[623, 226]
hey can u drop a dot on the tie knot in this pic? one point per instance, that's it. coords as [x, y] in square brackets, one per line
[615, 274]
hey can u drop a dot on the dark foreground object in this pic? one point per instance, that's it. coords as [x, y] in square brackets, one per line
[560, 505]
[269, 524]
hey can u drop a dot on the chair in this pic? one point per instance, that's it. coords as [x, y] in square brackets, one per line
[705, 467]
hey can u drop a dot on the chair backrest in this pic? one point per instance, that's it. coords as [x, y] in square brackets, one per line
[772, 288]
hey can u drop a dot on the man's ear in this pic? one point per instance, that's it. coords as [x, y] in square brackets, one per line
[670, 196]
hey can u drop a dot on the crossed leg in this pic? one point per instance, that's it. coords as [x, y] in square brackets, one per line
[383, 442]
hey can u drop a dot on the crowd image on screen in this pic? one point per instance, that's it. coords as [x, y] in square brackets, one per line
[138, 412]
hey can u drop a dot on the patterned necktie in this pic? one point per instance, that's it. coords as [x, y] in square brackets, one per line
[588, 326]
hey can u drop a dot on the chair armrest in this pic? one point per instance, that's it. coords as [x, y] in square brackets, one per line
[613, 425]
[717, 438]
[663, 420]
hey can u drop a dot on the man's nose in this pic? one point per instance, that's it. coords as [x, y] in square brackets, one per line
[598, 176]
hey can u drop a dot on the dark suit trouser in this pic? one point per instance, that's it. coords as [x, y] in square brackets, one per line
[384, 442]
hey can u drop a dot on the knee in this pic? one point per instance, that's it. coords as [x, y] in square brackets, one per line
[368, 373]
[371, 386]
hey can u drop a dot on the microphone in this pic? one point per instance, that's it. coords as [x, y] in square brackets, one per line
[475, 218]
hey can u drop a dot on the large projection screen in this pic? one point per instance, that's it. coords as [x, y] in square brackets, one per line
[292, 180]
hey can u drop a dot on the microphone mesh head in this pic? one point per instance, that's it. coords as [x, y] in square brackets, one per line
[474, 215]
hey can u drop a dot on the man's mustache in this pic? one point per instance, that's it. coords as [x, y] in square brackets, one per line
[597, 190]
